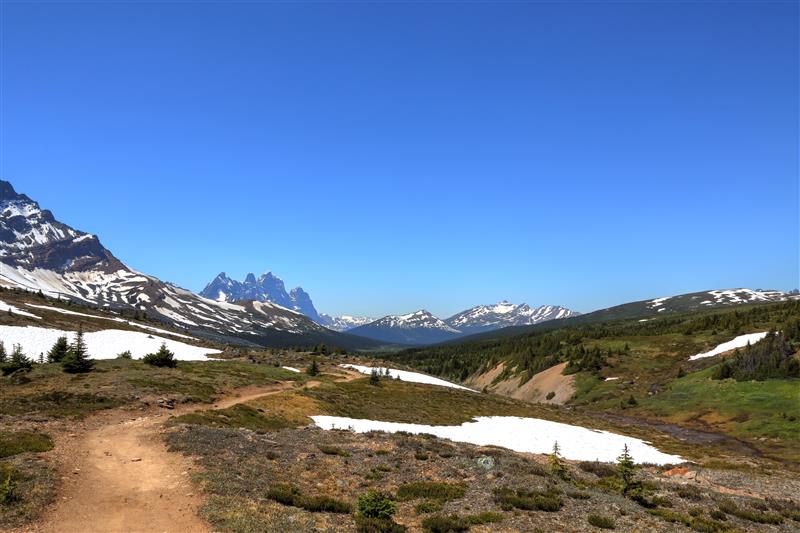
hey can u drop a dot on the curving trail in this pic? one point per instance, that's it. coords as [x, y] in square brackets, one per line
[118, 476]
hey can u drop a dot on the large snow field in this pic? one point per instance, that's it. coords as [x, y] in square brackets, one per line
[531, 435]
[739, 342]
[411, 377]
[105, 344]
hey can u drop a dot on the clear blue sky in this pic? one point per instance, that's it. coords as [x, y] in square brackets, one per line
[392, 156]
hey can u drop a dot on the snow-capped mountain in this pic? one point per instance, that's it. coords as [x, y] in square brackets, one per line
[503, 314]
[266, 288]
[39, 253]
[697, 300]
[419, 327]
[343, 322]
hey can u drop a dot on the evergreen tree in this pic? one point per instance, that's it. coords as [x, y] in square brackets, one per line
[374, 377]
[626, 469]
[3, 354]
[17, 361]
[313, 368]
[162, 358]
[77, 361]
[58, 351]
[557, 466]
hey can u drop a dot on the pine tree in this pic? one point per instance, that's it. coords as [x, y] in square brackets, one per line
[374, 377]
[17, 361]
[3, 354]
[58, 351]
[626, 469]
[162, 358]
[313, 368]
[77, 361]
[556, 465]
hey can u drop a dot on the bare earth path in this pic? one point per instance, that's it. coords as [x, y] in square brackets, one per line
[118, 476]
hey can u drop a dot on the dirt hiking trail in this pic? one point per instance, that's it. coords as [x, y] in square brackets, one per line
[118, 477]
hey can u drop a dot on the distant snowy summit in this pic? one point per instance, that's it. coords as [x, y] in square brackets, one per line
[503, 314]
[266, 288]
[421, 327]
[343, 322]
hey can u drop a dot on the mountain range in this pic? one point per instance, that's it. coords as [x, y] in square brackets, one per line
[39, 253]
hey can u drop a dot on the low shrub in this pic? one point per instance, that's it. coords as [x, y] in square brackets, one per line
[15, 442]
[597, 468]
[376, 525]
[375, 504]
[445, 524]
[333, 450]
[428, 506]
[729, 507]
[508, 499]
[431, 490]
[603, 522]
[291, 495]
[487, 517]
[162, 358]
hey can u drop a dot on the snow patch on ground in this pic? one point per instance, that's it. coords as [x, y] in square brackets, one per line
[412, 377]
[17, 311]
[739, 342]
[530, 435]
[104, 344]
[291, 369]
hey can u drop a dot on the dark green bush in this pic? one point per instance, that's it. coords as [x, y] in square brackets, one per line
[376, 525]
[445, 524]
[14, 442]
[290, 495]
[431, 490]
[603, 522]
[597, 468]
[333, 450]
[375, 504]
[162, 358]
[508, 499]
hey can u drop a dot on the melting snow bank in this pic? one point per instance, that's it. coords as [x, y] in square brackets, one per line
[411, 377]
[105, 344]
[16, 310]
[530, 435]
[290, 369]
[739, 342]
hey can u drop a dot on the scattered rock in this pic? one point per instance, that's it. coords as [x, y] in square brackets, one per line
[136, 459]
[486, 462]
[166, 403]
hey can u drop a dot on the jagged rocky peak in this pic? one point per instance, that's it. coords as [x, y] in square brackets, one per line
[30, 237]
[266, 288]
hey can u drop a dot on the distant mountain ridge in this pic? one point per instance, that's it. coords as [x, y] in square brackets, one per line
[266, 288]
[421, 327]
[503, 314]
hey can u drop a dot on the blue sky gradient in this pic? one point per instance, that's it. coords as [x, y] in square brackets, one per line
[389, 157]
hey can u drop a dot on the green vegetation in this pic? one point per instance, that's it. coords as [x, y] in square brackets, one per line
[431, 490]
[15, 442]
[603, 522]
[58, 351]
[313, 368]
[557, 466]
[376, 504]
[528, 500]
[27, 486]
[290, 495]
[770, 358]
[76, 360]
[626, 470]
[162, 358]
[238, 416]
[550, 343]
[333, 450]
[17, 361]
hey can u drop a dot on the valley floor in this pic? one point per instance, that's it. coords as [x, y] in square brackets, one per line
[249, 461]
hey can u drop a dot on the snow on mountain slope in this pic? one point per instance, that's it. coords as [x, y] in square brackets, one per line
[504, 314]
[405, 375]
[419, 327]
[343, 322]
[698, 300]
[39, 253]
[104, 344]
[266, 288]
[738, 342]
